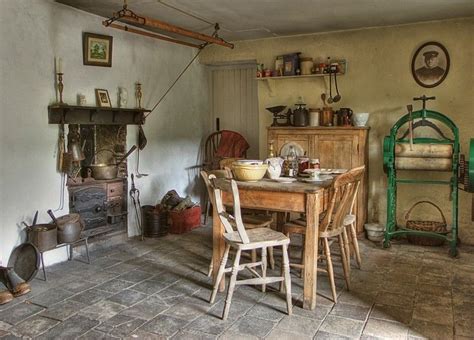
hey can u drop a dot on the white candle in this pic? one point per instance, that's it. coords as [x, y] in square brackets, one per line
[59, 65]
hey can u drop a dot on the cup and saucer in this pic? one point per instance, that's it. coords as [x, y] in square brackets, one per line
[315, 175]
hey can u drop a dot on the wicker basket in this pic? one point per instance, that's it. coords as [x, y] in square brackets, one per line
[432, 226]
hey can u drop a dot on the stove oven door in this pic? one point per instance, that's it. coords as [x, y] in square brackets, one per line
[90, 203]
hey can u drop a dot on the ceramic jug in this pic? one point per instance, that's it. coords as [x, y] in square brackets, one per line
[274, 167]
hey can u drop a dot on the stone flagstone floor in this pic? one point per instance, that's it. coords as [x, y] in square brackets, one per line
[159, 289]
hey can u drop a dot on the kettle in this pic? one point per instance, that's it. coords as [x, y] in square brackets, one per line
[344, 116]
[300, 115]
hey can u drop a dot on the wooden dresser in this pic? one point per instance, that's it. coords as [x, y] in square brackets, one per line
[336, 147]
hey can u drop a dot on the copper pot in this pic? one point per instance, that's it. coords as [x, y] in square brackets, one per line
[327, 116]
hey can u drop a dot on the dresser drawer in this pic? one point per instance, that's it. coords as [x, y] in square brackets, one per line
[114, 189]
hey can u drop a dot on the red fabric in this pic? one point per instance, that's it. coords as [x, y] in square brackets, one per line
[232, 144]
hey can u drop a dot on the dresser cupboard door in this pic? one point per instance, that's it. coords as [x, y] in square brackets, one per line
[301, 140]
[336, 151]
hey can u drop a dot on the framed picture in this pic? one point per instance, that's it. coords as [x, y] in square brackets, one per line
[430, 64]
[102, 97]
[97, 49]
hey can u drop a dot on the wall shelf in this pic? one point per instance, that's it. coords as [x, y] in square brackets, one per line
[93, 115]
[300, 76]
[270, 81]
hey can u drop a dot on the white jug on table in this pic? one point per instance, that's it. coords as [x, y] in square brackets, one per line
[274, 167]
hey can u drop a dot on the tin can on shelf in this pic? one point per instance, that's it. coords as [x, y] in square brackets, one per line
[314, 117]
[306, 65]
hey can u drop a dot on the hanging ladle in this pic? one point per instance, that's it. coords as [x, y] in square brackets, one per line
[337, 97]
[330, 99]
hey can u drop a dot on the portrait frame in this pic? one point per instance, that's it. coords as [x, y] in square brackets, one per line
[430, 75]
[97, 49]
[102, 98]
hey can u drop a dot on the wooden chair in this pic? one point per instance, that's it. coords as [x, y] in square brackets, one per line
[215, 157]
[331, 227]
[250, 221]
[241, 239]
[350, 220]
[213, 154]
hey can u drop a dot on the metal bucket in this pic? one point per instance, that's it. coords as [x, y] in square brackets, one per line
[155, 222]
[43, 236]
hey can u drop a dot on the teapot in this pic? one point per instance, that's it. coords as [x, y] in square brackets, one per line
[274, 167]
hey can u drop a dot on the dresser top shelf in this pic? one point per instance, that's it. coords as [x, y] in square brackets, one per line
[318, 127]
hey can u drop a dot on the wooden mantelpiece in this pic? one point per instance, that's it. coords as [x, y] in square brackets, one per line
[336, 147]
[69, 114]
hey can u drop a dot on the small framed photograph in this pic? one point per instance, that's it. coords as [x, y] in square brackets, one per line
[102, 97]
[97, 49]
[430, 64]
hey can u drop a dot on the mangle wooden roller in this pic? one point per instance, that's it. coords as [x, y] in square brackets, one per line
[434, 157]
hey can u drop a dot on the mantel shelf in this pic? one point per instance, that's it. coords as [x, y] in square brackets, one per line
[93, 115]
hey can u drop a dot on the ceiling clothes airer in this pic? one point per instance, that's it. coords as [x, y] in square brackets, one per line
[127, 15]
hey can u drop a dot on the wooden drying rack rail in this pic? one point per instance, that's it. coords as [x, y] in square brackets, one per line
[127, 15]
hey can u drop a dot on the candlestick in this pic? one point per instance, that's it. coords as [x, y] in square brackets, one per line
[60, 87]
[60, 65]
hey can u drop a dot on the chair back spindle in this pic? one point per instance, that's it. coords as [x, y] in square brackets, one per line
[229, 221]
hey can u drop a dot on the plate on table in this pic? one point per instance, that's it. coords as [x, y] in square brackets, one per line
[321, 178]
[284, 179]
[338, 171]
[326, 171]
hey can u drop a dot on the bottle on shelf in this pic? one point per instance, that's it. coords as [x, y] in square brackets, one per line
[292, 162]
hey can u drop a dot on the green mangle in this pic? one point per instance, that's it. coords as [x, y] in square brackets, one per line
[403, 151]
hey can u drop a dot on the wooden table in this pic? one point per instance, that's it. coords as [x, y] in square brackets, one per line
[295, 197]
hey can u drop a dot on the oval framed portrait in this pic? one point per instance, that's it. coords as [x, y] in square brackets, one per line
[430, 64]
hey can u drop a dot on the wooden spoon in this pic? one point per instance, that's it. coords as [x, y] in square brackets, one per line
[323, 97]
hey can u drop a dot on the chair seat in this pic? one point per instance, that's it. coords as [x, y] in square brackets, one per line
[349, 219]
[299, 227]
[259, 237]
[256, 221]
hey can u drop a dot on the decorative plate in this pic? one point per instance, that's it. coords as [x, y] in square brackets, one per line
[285, 149]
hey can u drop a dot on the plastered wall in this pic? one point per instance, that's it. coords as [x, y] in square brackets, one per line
[378, 81]
[33, 33]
